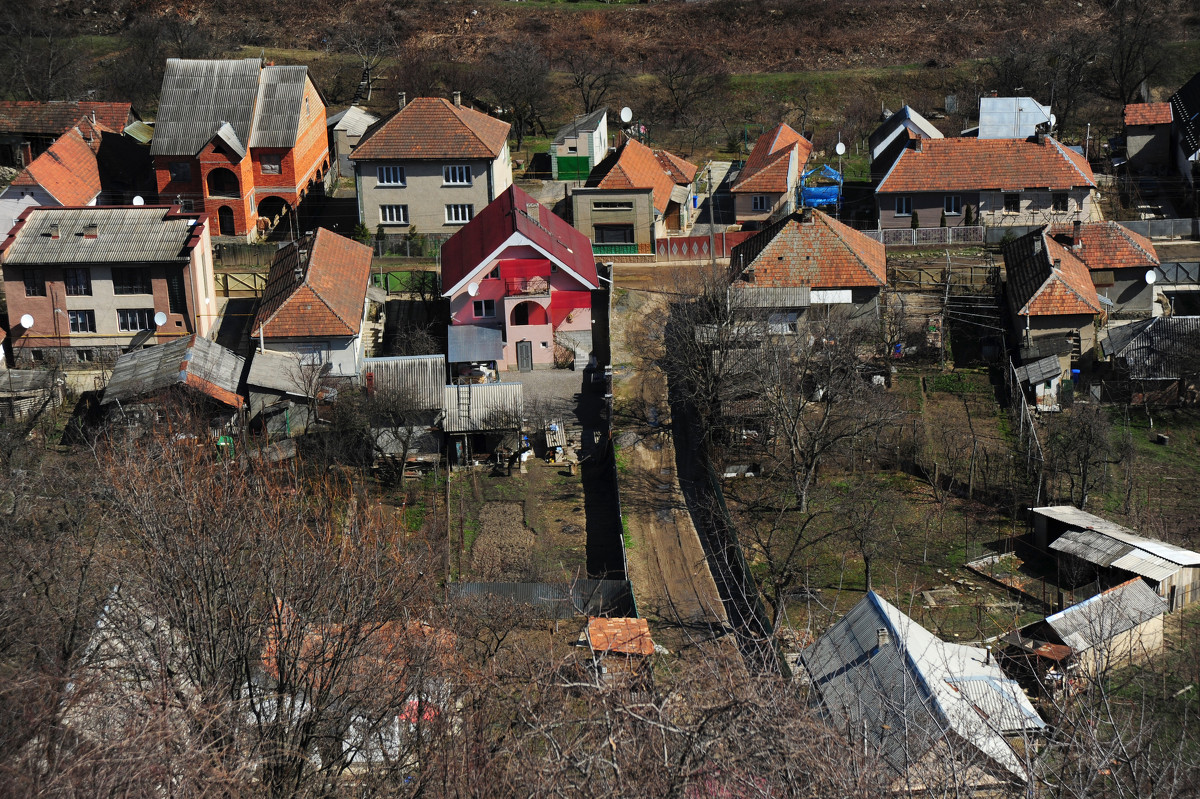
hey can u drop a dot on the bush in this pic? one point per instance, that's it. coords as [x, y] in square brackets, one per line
[916, 221]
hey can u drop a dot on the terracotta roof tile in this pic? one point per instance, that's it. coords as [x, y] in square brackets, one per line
[769, 165]
[822, 253]
[1148, 114]
[620, 636]
[326, 298]
[433, 128]
[680, 171]
[1107, 245]
[639, 167]
[68, 171]
[55, 118]
[969, 164]
[1046, 279]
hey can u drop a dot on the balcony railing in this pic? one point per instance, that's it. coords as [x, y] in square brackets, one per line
[519, 286]
[614, 249]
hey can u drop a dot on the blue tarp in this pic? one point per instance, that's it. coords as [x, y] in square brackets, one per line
[816, 196]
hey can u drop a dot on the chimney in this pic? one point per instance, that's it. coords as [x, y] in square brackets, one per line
[54, 230]
[1040, 137]
[806, 215]
[91, 230]
[1076, 235]
[1058, 263]
[403, 100]
[882, 637]
[26, 153]
[916, 143]
[458, 99]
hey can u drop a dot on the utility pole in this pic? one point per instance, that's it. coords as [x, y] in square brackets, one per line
[712, 220]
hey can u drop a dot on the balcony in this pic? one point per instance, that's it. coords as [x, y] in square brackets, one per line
[526, 286]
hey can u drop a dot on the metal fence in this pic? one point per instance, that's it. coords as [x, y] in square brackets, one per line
[425, 245]
[1028, 444]
[698, 248]
[1151, 228]
[928, 236]
[557, 600]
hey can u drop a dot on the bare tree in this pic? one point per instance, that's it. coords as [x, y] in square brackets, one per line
[517, 75]
[686, 76]
[594, 68]
[371, 43]
[1080, 446]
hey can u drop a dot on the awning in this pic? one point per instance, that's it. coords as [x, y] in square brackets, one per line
[563, 302]
[525, 268]
[472, 343]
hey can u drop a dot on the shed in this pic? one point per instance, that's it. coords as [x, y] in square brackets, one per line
[192, 361]
[1118, 626]
[26, 391]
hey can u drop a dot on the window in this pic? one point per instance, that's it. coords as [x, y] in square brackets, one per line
[35, 283]
[187, 205]
[612, 205]
[1012, 203]
[760, 202]
[128, 280]
[572, 149]
[614, 234]
[391, 176]
[272, 164]
[82, 321]
[393, 214]
[131, 320]
[456, 175]
[78, 282]
[459, 214]
[485, 309]
[953, 205]
[904, 206]
[176, 297]
[1060, 203]
[180, 170]
[85, 356]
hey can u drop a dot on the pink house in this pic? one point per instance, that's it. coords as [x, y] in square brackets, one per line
[520, 282]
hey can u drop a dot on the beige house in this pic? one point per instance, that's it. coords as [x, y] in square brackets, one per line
[768, 181]
[1117, 627]
[430, 167]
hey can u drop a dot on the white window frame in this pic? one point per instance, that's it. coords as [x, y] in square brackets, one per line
[87, 319]
[456, 175]
[903, 205]
[393, 214]
[142, 313]
[760, 202]
[390, 175]
[459, 213]
[952, 205]
[481, 308]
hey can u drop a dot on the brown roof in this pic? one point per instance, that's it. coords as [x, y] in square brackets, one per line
[1107, 245]
[54, 118]
[639, 167]
[1148, 114]
[769, 165]
[433, 128]
[317, 287]
[969, 164]
[1046, 279]
[820, 253]
[680, 171]
[68, 170]
[622, 636]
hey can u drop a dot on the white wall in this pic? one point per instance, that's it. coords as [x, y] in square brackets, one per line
[15, 199]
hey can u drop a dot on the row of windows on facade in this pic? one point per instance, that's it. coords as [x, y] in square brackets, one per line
[268, 164]
[452, 175]
[952, 204]
[129, 320]
[398, 214]
[77, 281]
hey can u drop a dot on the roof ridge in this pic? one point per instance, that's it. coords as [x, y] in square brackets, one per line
[1071, 161]
[853, 250]
[456, 110]
[1126, 233]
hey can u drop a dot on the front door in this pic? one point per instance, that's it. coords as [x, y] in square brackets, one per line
[525, 356]
[225, 221]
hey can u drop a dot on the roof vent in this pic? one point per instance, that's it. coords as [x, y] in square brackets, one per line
[55, 230]
[458, 99]
[91, 230]
[882, 637]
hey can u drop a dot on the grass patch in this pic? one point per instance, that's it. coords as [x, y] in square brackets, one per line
[626, 536]
[622, 459]
[960, 383]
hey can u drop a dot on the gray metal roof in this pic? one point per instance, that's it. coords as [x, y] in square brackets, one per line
[422, 375]
[1157, 349]
[1099, 549]
[1100, 618]
[226, 134]
[192, 360]
[277, 112]
[277, 371]
[479, 408]
[745, 295]
[905, 694]
[469, 343]
[584, 123]
[353, 120]
[1040, 370]
[1082, 520]
[1010, 117]
[15, 382]
[197, 96]
[124, 235]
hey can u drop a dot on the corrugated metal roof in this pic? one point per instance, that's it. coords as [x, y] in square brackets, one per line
[1091, 546]
[424, 376]
[1106, 615]
[140, 131]
[1040, 370]
[906, 694]
[584, 123]
[1159, 349]
[124, 235]
[197, 96]
[192, 360]
[353, 120]
[478, 408]
[745, 295]
[468, 343]
[1086, 521]
[277, 112]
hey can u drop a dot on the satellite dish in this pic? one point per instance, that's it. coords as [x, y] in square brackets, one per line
[1151, 276]
[26, 321]
[138, 200]
[840, 149]
[160, 319]
[472, 289]
[1053, 121]
[626, 115]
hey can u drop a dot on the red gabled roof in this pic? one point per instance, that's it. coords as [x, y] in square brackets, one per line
[680, 171]
[68, 170]
[1148, 114]
[317, 287]
[769, 165]
[515, 212]
[822, 253]
[433, 128]
[1046, 279]
[1107, 245]
[639, 167]
[969, 164]
[53, 118]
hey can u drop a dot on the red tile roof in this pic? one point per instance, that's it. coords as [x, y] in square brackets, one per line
[54, 118]
[639, 167]
[770, 162]
[1107, 245]
[514, 212]
[1046, 279]
[822, 253]
[68, 171]
[326, 298]
[969, 164]
[1148, 114]
[620, 636]
[433, 128]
